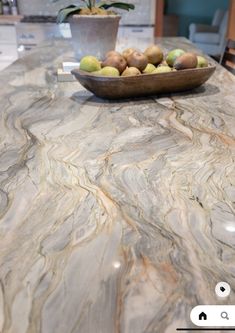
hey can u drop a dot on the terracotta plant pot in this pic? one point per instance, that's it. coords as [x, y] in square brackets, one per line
[93, 35]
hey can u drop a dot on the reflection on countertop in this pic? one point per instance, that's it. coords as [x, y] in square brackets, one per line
[114, 216]
[39, 19]
[10, 19]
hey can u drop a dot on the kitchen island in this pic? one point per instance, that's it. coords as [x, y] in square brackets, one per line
[115, 217]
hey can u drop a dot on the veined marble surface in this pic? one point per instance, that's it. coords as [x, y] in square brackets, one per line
[115, 217]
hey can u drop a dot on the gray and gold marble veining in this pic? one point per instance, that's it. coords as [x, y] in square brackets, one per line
[115, 217]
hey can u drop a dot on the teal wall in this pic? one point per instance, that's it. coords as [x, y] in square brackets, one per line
[197, 11]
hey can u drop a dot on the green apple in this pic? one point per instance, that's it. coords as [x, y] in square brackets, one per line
[90, 64]
[109, 71]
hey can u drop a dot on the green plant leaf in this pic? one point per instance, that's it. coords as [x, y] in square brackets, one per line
[66, 12]
[121, 5]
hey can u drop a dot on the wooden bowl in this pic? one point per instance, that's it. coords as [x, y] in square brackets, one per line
[143, 85]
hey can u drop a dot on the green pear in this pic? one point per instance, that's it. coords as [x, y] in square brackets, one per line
[173, 55]
[97, 73]
[131, 71]
[149, 69]
[109, 71]
[162, 69]
[201, 62]
[90, 64]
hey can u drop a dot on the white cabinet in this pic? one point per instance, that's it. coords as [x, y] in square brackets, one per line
[144, 13]
[29, 35]
[35, 33]
[137, 37]
[137, 32]
[7, 34]
[8, 45]
[8, 52]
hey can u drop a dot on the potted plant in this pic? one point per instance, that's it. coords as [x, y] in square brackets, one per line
[94, 26]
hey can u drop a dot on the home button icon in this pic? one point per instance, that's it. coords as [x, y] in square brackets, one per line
[202, 316]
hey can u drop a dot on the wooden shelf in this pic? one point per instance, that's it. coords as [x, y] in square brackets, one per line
[9, 19]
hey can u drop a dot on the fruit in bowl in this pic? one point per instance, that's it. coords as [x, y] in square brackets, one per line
[201, 62]
[115, 60]
[154, 54]
[149, 69]
[186, 61]
[137, 60]
[131, 71]
[162, 69]
[128, 52]
[109, 71]
[112, 53]
[173, 55]
[135, 63]
[90, 64]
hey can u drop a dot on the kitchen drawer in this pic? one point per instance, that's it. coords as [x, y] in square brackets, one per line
[8, 52]
[7, 34]
[136, 32]
[144, 13]
[34, 33]
[137, 37]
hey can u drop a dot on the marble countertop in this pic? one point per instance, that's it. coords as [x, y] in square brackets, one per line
[115, 217]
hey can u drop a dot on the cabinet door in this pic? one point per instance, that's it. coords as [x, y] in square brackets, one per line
[8, 52]
[137, 37]
[136, 32]
[34, 33]
[7, 34]
[144, 13]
